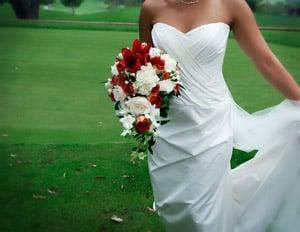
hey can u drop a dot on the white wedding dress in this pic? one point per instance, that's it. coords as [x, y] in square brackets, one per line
[194, 188]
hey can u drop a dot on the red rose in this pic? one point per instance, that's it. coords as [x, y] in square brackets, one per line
[142, 124]
[128, 88]
[155, 89]
[158, 62]
[166, 76]
[155, 100]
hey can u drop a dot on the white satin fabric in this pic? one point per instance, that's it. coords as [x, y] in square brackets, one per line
[194, 188]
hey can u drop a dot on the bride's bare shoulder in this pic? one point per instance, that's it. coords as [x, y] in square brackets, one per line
[238, 9]
[151, 6]
[147, 14]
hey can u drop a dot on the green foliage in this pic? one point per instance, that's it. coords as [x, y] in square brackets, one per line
[47, 2]
[253, 4]
[72, 3]
[129, 3]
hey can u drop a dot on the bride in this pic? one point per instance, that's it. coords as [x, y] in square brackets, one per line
[193, 185]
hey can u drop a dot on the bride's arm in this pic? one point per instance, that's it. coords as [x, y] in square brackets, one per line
[145, 23]
[250, 39]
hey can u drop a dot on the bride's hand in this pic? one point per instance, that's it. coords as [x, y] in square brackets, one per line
[250, 39]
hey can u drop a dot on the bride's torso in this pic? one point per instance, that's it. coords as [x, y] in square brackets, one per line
[200, 53]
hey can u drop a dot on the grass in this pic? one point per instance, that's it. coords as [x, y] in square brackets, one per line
[85, 196]
[57, 123]
[130, 14]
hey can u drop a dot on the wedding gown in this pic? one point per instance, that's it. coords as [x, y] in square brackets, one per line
[193, 185]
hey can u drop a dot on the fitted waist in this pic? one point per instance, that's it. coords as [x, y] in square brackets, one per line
[200, 100]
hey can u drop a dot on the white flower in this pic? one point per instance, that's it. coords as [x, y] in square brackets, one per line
[114, 70]
[138, 105]
[154, 112]
[146, 79]
[125, 132]
[170, 63]
[107, 85]
[154, 52]
[120, 56]
[156, 133]
[119, 94]
[167, 85]
[122, 109]
[127, 121]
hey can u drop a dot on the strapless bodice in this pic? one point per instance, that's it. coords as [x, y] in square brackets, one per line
[200, 54]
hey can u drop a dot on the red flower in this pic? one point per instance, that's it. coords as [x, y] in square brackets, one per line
[130, 61]
[176, 88]
[166, 76]
[128, 88]
[121, 80]
[121, 66]
[155, 100]
[134, 58]
[115, 80]
[141, 51]
[142, 124]
[155, 89]
[111, 95]
[158, 62]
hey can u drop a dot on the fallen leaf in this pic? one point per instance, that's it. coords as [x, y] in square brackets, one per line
[122, 186]
[64, 175]
[94, 165]
[36, 196]
[13, 155]
[52, 191]
[116, 218]
[125, 176]
[150, 209]
[4, 135]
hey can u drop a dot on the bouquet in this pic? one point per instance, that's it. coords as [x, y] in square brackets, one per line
[144, 78]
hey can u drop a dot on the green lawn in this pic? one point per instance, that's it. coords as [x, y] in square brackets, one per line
[57, 123]
[92, 10]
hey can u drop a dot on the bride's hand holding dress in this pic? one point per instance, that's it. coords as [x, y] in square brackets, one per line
[194, 188]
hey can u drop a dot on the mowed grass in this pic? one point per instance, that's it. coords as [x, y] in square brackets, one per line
[88, 12]
[58, 130]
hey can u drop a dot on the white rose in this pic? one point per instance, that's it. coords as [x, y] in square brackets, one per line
[119, 94]
[138, 105]
[154, 52]
[170, 63]
[166, 85]
[114, 70]
[127, 121]
[146, 79]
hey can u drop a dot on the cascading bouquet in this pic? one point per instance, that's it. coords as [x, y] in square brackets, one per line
[144, 79]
